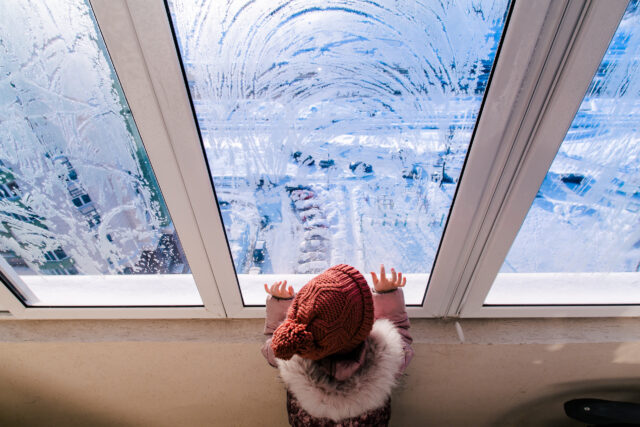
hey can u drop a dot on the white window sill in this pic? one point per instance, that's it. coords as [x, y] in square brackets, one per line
[253, 294]
[564, 289]
[112, 291]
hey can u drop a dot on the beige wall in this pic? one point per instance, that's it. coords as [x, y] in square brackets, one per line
[191, 373]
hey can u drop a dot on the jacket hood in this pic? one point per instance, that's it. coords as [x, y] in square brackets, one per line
[343, 366]
[347, 387]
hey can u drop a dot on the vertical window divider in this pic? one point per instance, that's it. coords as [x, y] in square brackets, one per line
[541, 40]
[513, 78]
[150, 104]
[154, 34]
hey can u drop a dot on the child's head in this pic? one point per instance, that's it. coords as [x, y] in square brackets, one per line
[333, 313]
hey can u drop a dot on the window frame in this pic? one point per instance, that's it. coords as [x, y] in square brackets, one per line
[547, 58]
[582, 37]
[128, 60]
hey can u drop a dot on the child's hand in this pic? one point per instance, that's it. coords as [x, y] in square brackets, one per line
[279, 290]
[385, 285]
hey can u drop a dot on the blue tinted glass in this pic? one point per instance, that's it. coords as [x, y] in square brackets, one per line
[78, 196]
[336, 131]
[585, 217]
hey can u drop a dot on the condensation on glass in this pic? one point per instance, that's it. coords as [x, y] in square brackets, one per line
[586, 215]
[584, 221]
[336, 131]
[81, 212]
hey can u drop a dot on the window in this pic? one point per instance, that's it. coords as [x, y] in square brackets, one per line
[335, 133]
[585, 214]
[558, 111]
[284, 137]
[74, 172]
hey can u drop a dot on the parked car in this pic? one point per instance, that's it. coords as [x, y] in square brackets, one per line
[313, 245]
[291, 188]
[259, 251]
[312, 267]
[324, 164]
[310, 214]
[306, 257]
[298, 157]
[317, 234]
[414, 172]
[314, 223]
[302, 205]
[296, 195]
[361, 168]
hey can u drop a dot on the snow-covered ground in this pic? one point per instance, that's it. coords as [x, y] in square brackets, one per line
[77, 192]
[367, 207]
[586, 217]
[369, 108]
[336, 131]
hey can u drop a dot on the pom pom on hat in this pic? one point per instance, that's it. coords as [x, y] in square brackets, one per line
[333, 313]
[292, 337]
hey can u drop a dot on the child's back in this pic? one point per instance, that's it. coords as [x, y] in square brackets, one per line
[340, 348]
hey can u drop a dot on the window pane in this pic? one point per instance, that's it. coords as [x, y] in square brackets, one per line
[78, 196]
[336, 131]
[585, 216]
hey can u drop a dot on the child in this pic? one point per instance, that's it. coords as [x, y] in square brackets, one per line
[341, 348]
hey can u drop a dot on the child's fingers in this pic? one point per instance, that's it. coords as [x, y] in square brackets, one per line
[404, 282]
[399, 282]
[283, 287]
[393, 275]
[290, 290]
[266, 288]
[382, 273]
[375, 278]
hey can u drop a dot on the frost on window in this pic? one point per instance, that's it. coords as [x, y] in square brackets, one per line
[586, 215]
[336, 131]
[77, 192]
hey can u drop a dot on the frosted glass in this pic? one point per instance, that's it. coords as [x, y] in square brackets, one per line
[78, 195]
[336, 131]
[585, 217]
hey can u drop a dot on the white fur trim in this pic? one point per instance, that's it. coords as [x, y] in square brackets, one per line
[369, 388]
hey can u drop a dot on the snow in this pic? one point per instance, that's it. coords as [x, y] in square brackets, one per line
[295, 98]
[336, 132]
[585, 217]
[350, 120]
[69, 148]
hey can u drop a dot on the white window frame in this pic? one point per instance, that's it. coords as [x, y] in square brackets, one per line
[549, 54]
[128, 60]
[583, 31]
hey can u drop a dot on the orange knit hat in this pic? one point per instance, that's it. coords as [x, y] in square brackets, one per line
[333, 313]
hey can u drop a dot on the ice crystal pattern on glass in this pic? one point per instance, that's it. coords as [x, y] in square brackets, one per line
[77, 192]
[336, 131]
[586, 215]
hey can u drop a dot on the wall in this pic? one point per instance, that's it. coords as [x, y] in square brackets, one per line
[210, 372]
